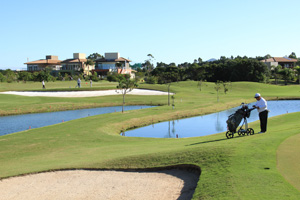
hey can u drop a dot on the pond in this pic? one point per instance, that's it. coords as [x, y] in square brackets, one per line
[207, 124]
[16, 123]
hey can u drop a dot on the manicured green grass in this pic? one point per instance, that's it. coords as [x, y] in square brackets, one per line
[288, 160]
[238, 168]
[57, 85]
[13, 104]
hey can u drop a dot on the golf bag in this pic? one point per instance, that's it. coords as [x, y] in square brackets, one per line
[235, 119]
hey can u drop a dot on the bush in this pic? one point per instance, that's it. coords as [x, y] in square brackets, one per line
[94, 77]
[2, 78]
[53, 78]
[151, 80]
[115, 77]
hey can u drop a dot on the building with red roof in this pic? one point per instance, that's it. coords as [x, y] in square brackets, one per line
[112, 62]
[283, 61]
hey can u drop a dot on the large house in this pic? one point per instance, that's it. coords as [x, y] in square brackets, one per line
[38, 65]
[76, 64]
[283, 61]
[112, 62]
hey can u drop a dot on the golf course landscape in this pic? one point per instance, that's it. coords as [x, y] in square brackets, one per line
[260, 166]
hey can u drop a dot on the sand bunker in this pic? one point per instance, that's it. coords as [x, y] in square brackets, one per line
[85, 93]
[94, 184]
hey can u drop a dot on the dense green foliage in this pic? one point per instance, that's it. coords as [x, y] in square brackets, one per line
[115, 77]
[225, 69]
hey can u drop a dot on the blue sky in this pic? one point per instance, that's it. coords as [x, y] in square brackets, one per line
[171, 30]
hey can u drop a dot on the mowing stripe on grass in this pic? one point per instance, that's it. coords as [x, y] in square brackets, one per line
[288, 160]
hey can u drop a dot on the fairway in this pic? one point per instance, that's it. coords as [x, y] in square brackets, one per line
[238, 168]
[289, 160]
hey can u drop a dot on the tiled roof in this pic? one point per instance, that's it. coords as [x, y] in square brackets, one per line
[284, 59]
[44, 61]
[72, 60]
[280, 59]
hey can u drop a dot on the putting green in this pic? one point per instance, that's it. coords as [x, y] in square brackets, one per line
[288, 160]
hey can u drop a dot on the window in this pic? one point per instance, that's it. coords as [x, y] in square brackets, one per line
[100, 66]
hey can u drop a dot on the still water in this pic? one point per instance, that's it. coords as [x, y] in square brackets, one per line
[207, 124]
[16, 123]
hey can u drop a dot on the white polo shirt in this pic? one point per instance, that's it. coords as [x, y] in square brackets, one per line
[261, 104]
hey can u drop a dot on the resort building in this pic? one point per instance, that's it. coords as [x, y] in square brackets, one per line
[39, 65]
[76, 64]
[283, 61]
[112, 62]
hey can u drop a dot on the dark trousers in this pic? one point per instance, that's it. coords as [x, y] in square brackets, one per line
[263, 117]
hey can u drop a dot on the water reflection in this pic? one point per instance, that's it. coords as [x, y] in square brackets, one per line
[16, 123]
[208, 124]
[171, 130]
[218, 124]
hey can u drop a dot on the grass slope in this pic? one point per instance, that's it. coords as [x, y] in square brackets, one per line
[289, 161]
[238, 168]
[58, 85]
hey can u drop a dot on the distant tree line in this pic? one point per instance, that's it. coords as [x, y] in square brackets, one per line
[224, 69]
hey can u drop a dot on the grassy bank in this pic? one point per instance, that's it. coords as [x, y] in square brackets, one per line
[238, 168]
[57, 85]
[13, 104]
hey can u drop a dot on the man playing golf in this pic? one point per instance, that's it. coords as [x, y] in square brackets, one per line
[261, 106]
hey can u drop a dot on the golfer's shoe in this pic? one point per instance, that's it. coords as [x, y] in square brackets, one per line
[260, 132]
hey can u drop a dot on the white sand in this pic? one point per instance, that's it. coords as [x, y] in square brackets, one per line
[85, 93]
[89, 184]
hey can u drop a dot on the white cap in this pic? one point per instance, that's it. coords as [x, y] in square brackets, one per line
[257, 95]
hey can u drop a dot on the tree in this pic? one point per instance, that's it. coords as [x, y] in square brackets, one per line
[148, 65]
[287, 74]
[200, 84]
[91, 59]
[2, 78]
[217, 88]
[25, 76]
[297, 68]
[151, 80]
[293, 55]
[94, 56]
[90, 62]
[94, 77]
[268, 56]
[275, 71]
[225, 86]
[125, 86]
[200, 60]
[167, 78]
[10, 76]
[45, 75]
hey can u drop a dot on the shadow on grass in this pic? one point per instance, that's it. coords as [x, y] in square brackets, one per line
[209, 141]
